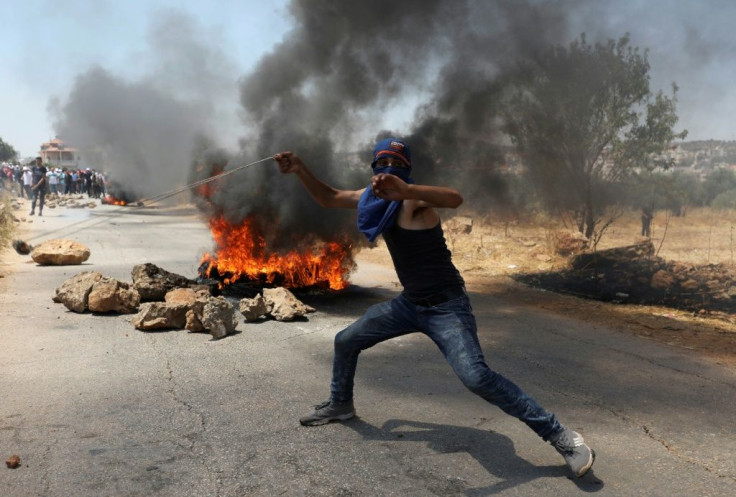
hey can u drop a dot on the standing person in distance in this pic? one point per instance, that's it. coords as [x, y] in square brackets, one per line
[28, 181]
[38, 186]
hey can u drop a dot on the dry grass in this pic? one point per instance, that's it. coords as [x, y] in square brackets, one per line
[7, 223]
[502, 246]
[703, 236]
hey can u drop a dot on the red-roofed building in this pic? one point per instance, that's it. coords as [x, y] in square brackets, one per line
[56, 153]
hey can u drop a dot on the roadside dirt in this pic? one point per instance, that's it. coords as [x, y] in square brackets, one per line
[712, 337]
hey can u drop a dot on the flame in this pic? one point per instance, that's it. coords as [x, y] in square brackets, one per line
[242, 253]
[206, 190]
[110, 200]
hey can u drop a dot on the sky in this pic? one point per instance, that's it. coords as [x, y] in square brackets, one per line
[201, 52]
[46, 45]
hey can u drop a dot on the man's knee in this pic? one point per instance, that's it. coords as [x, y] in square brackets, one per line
[344, 340]
[479, 380]
[352, 338]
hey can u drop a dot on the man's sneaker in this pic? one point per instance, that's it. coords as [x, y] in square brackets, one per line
[578, 456]
[31, 213]
[329, 411]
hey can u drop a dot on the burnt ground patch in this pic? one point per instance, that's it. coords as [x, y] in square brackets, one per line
[633, 275]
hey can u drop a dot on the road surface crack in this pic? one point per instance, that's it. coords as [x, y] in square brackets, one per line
[194, 438]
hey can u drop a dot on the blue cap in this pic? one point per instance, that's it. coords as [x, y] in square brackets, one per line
[392, 147]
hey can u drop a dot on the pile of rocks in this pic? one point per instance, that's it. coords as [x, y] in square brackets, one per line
[632, 274]
[91, 291]
[52, 201]
[164, 300]
[189, 309]
[73, 201]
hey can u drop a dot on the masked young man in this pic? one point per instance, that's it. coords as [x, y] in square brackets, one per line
[433, 300]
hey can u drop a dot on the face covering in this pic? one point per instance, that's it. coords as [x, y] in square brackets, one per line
[376, 214]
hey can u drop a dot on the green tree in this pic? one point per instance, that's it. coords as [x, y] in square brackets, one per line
[674, 191]
[7, 152]
[584, 120]
[725, 200]
[717, 182]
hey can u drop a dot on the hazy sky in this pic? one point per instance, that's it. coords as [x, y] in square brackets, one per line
[46, 45]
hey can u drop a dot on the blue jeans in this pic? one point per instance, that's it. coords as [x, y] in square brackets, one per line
[452, 327]
[40, 194]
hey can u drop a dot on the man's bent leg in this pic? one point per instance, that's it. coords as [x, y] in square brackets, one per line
[452, 327]
[381, 322]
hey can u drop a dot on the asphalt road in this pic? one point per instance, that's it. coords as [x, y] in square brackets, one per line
[94, 407]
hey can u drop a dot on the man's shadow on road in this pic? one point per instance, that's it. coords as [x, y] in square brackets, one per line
[493, 451]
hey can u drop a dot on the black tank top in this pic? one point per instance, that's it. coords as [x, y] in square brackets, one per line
[422, 261]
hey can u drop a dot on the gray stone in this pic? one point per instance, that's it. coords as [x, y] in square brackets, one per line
[283, 305]
[111, 295]
[160, 315]
[253, 309]
[153, 282]
[74, 292]
[218, 316]
[60, 252]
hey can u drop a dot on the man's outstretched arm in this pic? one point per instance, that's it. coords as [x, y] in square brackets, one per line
[324, 194]
[390, 187]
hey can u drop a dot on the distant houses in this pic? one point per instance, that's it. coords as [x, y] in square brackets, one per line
[57, 154]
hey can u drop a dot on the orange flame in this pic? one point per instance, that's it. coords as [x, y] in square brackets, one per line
[110, 200]
[242, 253]
[205, 190]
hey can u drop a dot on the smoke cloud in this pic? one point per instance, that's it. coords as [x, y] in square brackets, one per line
[328, 90]
[143, 132]
[346, 75]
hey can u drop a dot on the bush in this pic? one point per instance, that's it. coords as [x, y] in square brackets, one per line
[725, 200]
[7, 222]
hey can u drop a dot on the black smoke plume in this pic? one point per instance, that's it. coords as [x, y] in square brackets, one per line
[345, 75]
[348, 73]
[328, 90]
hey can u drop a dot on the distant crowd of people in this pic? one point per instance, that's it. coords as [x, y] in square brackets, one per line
[59, 180]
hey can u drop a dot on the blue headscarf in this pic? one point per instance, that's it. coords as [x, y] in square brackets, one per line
[376, 214]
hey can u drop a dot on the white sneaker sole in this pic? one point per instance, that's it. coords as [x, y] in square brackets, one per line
[587, 467]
